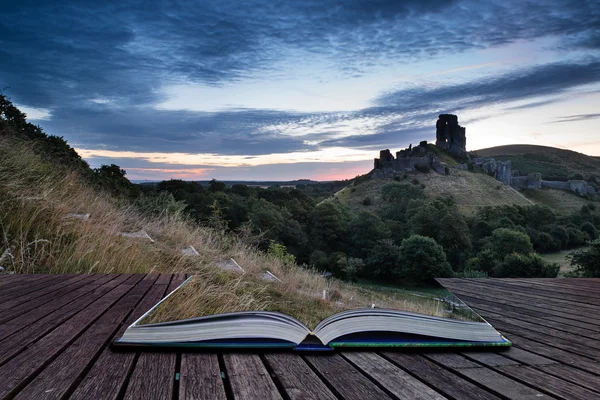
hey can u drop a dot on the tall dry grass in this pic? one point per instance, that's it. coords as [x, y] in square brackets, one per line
[36, 198]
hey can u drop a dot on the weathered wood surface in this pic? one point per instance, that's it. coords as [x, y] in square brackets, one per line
[56, 330]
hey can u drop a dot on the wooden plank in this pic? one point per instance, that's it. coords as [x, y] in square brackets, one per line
[164, 279]
[296, 378]
[42, 311]
[550, 339]
[556, 354]
[391, 377]
[8, 280]
[200, 377]
[34, 303]
[508, 301]
[155, 384]
[573, 375]
[487, 378]
[29, 286]
[572, 307]
[526, 357]
[526, 312]
[446, 382]
[109, 373]
[578, 293]
[59, 377]
[19, 340]
[19, 300]
[489, 359]
[539, 320]
[18, 370]
[548, 384]
[346, 380]
[163, 364]
[248, 377]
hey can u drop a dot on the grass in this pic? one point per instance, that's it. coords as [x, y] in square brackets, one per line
[563, 202]
[551, 162]
[36, 198]
[560, 258]
[469, 190]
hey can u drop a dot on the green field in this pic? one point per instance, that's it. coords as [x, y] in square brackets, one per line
[561, 259]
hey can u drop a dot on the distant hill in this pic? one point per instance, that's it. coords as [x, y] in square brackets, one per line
[551, 162]
[469, 190]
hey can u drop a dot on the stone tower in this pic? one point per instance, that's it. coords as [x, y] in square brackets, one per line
[450, 136]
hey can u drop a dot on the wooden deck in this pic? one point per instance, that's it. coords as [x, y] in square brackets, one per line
[55, 332]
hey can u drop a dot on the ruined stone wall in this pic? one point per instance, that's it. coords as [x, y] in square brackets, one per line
[450, 136]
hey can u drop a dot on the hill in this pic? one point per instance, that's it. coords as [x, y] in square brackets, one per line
[551, 162]
[469, 190]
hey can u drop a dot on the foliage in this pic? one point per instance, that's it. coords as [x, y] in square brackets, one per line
[587, 262]
[383, 261]
[525, 266]
[281, 253]
[161, 204]
[422, 259]
[506, 241]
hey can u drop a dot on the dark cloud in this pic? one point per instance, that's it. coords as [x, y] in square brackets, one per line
[550, 79]
[579, 117]
[56, 53]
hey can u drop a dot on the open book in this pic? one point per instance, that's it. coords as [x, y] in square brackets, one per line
[454, 325]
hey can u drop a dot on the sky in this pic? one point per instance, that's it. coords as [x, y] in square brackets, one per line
[281, 90]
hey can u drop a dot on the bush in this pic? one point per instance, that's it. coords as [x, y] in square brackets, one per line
[587, 262]
[576, 237]
[507, 241]
[367, 201]
[485, 261]
[422, 259]
[590, 230]
[525, 266]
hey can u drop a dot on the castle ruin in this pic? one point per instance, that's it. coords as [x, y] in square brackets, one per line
[450, 136]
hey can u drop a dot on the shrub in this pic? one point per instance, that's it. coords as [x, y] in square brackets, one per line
[507, 241]
[422, 259]
[587, 262]
[525, 266]
[415, 181]
[590, 229]
[576, 237]
[367, 201]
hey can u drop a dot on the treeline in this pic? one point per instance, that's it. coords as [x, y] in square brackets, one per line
[14, 125]
[411, 238]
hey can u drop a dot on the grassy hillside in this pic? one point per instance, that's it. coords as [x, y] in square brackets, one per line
[552, 163]
[469, 190]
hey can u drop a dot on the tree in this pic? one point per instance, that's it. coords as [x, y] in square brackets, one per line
[383, 262]
[112, 178]
[454, 237]
[506, 241]
[587, 262]
[365, 231]
[590, 229]
[329, 226]
[422, 259]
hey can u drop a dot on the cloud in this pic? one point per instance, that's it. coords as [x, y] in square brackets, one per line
[579, 117]
[542, 80]
[98, 70]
